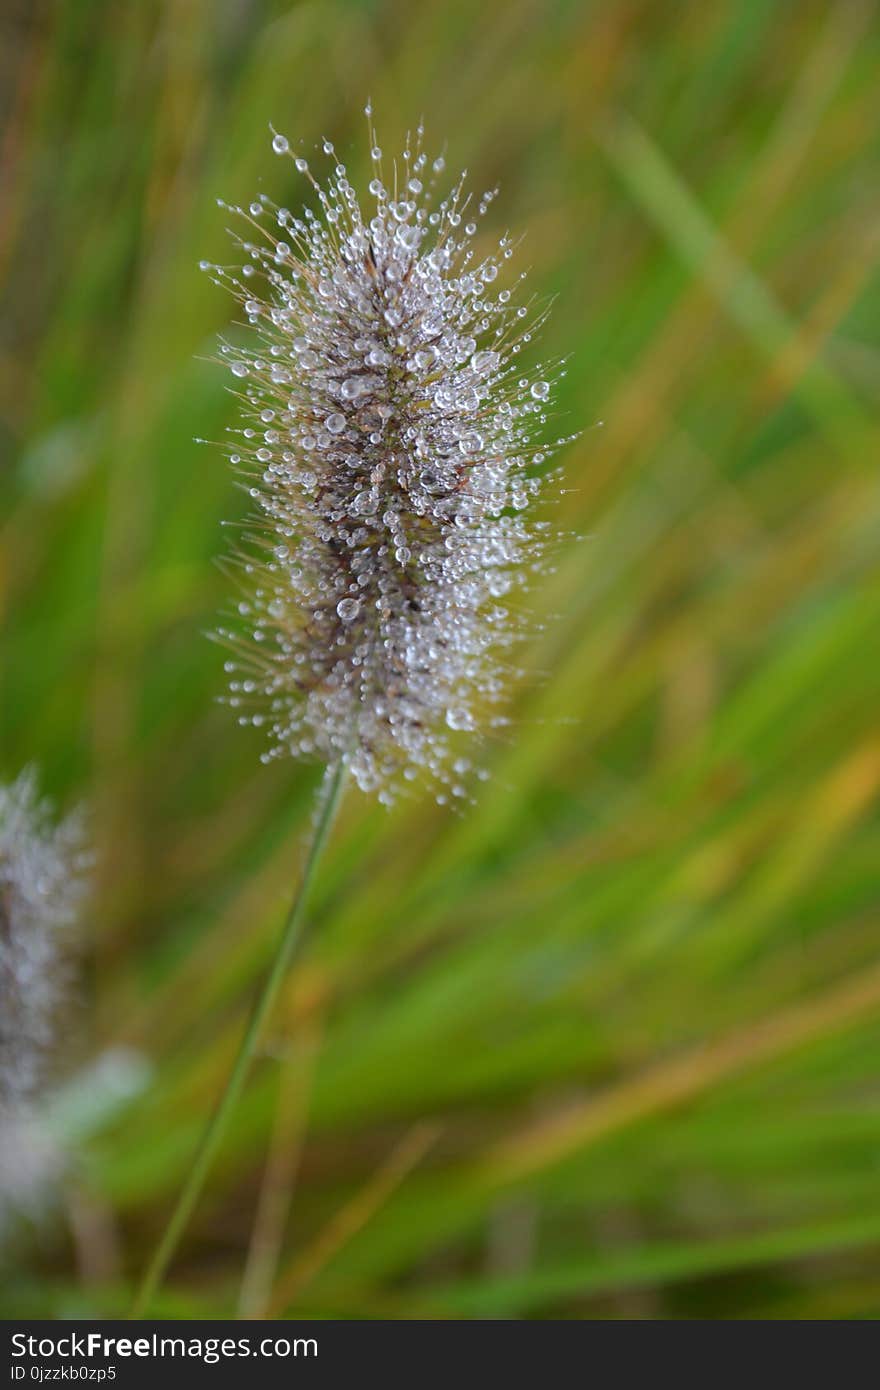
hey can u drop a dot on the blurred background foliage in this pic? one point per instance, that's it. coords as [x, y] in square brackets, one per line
[605, 1045]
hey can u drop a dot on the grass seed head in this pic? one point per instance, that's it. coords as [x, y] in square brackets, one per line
[42, 880]
[390, 439]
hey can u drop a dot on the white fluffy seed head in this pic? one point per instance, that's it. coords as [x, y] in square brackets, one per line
[390, 438]
[42, 878]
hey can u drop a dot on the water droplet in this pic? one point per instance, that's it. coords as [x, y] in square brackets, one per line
[365, 504]
[280, 144]
[484, 362]
[335, 423]
[541, 390]
[239, 369]
[409, 237]
[348, 609]
[459, 719]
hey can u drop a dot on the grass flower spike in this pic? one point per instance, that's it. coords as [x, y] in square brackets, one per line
[390, 440]
[42, 880]
[41, 888]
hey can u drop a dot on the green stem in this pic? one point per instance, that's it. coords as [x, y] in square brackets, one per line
[291, 937]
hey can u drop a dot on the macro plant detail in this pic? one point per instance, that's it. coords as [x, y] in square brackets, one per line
[392, 444]
[43, 877]
[596, 1039]
[42, 882]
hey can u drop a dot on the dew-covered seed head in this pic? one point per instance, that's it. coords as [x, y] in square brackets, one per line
[42, 877]
[391, 438]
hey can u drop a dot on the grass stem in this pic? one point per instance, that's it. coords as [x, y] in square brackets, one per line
[291, 937]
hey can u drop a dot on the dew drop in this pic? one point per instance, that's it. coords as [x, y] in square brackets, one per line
[459, 719]
[348, 609]
[483, 362]
[430, 481]
[365, 504]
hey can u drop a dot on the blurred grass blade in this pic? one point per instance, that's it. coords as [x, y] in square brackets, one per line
[743, 296]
